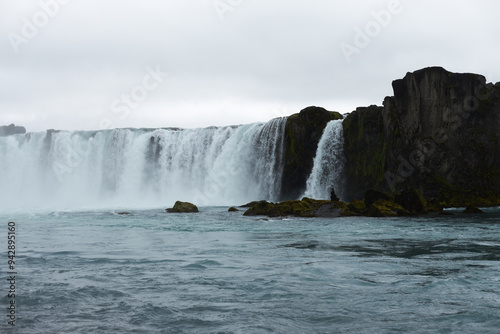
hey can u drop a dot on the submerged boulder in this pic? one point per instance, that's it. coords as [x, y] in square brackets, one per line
[183, 207]
[233, 209]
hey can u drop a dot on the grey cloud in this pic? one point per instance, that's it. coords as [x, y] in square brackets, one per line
[261, 57]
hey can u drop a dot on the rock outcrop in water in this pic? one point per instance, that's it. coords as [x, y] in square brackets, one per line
[8, 130]
[375, 204]
[302, 134]
[440, 133]
[306, 207]
[183, 207]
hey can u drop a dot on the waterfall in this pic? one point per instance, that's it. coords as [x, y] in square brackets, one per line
[329, 162]
[142, 167]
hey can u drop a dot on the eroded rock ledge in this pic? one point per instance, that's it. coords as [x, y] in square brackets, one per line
[374, 204]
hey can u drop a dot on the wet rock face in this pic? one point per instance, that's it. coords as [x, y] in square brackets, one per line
[440, 133]
[433, 99]
[302, 134]
[449, 133]
[365, 147]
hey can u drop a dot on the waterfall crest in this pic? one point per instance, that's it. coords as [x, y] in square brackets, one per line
[142, 167]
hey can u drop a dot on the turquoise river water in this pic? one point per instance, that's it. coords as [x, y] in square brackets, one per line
[221, 272]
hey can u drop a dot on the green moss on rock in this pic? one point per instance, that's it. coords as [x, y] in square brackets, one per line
[355, 208]
[306, 207]
[372, 196]
[183, 207]
[443, 194]
[384, 208]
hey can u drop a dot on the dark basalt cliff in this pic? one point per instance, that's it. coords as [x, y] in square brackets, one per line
[302, 134]
[440, 134]
[434, 144]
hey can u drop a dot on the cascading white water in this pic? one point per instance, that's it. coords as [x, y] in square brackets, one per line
[142, 167]
[329, 162]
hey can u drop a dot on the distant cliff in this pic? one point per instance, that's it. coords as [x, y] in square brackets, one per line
[439, 133]
[7, 130]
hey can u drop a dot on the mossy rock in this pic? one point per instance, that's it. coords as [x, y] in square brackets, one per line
[330, 209]
[372, 196]
[233, 209]
[447, 195]
[306, 207]
[295, 208]
[355, 208]
[183, 207]
[384, 208]
[250, 204]
[262, 208]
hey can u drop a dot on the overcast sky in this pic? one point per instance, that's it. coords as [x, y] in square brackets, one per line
[90, 64]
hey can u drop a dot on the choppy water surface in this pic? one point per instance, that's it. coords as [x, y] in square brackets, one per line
[220, 272]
